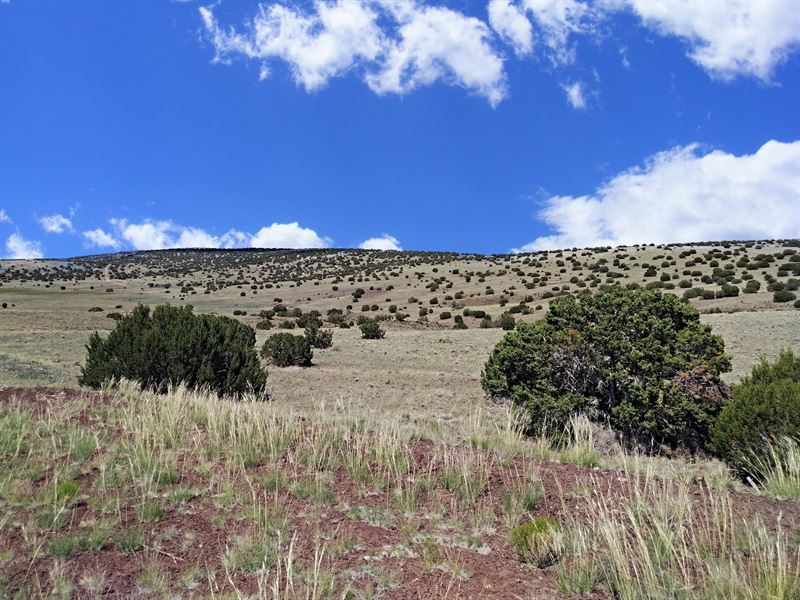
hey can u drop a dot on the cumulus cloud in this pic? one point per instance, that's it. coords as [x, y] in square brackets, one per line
[682, 195]
[317, 45]
[727, 38]
[97, 238]
[288, 235]
[385, 242]
[18, 247]
[575, 95]
[158, 235]
[4, 218]
[396, 45]
[439, 44]
[56, 224]
[399, 45]
[510, 22]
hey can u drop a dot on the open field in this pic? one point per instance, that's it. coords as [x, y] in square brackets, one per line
[382, 471]
[423, 362]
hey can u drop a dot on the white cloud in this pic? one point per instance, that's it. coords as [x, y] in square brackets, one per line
[97, 238]
[4, 218]
[287, 235]
[56, 224]
[385, 242]
[396, 45]
[148, 235]
[439, 44]
[727, 38]
[508, 20]
[316, 46]
[556, 21]
[575, 95]
[158, 235]
[683, 196]
[18, 247]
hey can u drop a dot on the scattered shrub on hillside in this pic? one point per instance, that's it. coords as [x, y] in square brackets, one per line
[264, 324]
[784, 296]
[765, 406]
[728, 291]
[171, 345]
[319, 338]
[627, 357]
[287, 349]
[752, 286]
[506, 321]
[370, 330]
[310, 319]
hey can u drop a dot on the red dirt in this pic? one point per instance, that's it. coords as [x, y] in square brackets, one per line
[193, 535]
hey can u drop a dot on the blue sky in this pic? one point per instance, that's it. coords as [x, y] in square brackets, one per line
[465, 126]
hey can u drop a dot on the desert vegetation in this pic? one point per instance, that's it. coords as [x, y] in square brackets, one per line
[587, 423]
[186, 493]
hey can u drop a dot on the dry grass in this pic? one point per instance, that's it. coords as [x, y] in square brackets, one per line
[140, 458]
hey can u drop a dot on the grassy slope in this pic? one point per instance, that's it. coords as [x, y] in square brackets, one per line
[186, 495]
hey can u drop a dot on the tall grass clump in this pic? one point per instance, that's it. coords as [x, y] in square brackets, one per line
[659, 540]
[776, 469]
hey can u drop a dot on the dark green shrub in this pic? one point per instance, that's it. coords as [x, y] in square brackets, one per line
[264, 324]
[636, 358]
[319, 338]
[784, 296]
[370, 330]
[115, 316]
[506, 321]
[486, 322]
[286, 350]
[170, 345]
[335, 316]
[95, 309]
[765, 405]
[445, 315]
[310, 319]
[752, 286]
